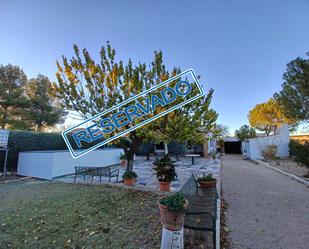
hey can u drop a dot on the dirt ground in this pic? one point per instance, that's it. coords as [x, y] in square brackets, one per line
[291, 167]
[266, 209]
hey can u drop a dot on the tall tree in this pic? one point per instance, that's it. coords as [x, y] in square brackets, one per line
[268, 117]
[88, 88]
[219, 131]
[45, 109]
[12, 97]
[294, 96]
[245, 132]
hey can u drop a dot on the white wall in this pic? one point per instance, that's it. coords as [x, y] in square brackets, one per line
[255, 146]
[50, 164]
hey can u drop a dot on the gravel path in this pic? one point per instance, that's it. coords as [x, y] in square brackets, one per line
[267, 210]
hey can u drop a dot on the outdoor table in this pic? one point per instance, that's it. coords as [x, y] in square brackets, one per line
[192, 156]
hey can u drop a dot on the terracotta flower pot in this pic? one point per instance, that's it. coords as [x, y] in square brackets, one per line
[171, 220]
[124, 162]
[207, 184]
[165, 186]
[129, 182]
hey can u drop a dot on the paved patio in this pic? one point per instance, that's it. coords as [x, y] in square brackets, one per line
[146, 175]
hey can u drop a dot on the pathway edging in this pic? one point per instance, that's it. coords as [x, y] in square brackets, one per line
[290, 175]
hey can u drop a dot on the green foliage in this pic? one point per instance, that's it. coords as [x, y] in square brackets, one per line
[213, 154]
[219, 131]
[300, 152]
[206, 178]
[165, 170]
[245, 132]
[123, 156]
[31, 141]
[175, 202]
[45, 109]
[12, 97]
[177, 148]
[268, 117]
[270, 152]
[129, 175]
[26, 104]
[87, 88]
[294, 95]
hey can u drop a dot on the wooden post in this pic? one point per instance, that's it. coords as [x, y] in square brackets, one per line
[172, 239]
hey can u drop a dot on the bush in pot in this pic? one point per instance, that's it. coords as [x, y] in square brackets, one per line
[165, 171]
[172, 210]
[129, 178]
[123, 159]
[213, 154]
[206, 181]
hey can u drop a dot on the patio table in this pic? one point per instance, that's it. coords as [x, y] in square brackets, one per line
[193, 157]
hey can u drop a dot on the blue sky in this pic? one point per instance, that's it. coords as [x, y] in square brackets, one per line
[240, 48]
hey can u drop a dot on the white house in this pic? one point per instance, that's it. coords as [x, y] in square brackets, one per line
[253, 148]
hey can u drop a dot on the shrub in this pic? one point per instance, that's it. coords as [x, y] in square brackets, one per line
[123, 156]
[129, 175]
[175, 203]
[300, 152]
[33, 141]
[30, 141]
[213, 154]
[206, 178]
[165, 170]
[270, 152]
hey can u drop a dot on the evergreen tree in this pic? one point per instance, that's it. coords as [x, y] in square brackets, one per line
[294, 96]
[12, 97]
[45, 110]
[245, 132]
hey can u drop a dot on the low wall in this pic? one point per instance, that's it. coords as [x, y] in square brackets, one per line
[50, 164]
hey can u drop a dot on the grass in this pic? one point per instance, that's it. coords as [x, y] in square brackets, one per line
[56, 215]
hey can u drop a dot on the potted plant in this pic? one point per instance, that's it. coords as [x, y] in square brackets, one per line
[206, 181]
[165, 171]
[213, 155]
[172, 210]
[129, 178]
[123, 159]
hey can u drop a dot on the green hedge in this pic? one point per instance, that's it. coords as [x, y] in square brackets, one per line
[300, 152]
[30, 141]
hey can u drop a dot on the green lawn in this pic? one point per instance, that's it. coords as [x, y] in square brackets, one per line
[57, 215]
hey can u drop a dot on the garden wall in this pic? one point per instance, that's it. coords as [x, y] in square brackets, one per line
[253, 147]
[50, 164]
[31, 141]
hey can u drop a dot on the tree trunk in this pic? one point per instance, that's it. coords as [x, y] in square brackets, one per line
[148, 156]
[165, 149]
[130, 164]
[130, 152]
[39, 127]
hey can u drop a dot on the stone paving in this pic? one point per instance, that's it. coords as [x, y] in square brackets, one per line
[147, 177]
